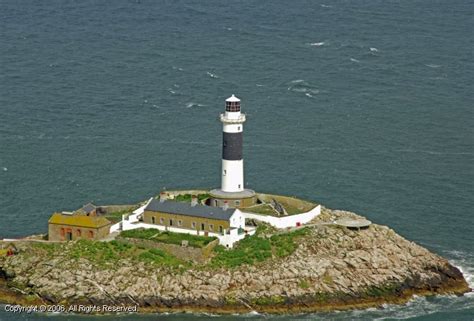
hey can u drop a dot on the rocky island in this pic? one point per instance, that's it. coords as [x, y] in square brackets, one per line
[226, 250]
[321, 266]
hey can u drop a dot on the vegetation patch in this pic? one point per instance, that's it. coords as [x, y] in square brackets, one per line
[109, 253]
[380, 291]
[159, 257]
[263, 209]
[117, 216]
[188, 197]
[254, 249]
[304, 284]
[168, 237]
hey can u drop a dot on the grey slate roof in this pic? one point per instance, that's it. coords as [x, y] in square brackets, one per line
[183, 208]
[89, 207]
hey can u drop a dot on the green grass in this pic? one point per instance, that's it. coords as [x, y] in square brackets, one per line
[188, 197]
[264, 209]
[284, 244]
[117, 216]
[168, 237]
[254, 249]
[108, 253]
[159, 257]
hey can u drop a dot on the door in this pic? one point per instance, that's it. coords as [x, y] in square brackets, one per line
[69, 236]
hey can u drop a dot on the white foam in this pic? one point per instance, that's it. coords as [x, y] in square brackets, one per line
[373, 49]
[192, 104]
[326, 6]
[210, 74]
[296, 81]
[309, 95]
[433, 66]
[5, 169]
[354, 60]
[317, 44]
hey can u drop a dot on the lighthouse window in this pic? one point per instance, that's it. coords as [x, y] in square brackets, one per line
[225, 172]
[239, 185]
[238, 128]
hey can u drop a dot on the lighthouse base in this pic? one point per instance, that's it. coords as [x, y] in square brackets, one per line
[245, 198]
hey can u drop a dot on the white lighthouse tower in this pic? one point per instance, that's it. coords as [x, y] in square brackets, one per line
[232, 161]
[232, 192]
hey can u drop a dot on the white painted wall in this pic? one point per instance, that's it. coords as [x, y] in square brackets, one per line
[232, 175]
[286, 221]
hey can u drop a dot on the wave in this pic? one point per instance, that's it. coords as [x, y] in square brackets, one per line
[373, 49]
[354, 60]
[326, 6]
[301, 86]
[317, 44]
[193, 104]
[210, 74]
[433, 66]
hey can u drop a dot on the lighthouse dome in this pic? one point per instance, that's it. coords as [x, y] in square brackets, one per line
[232, 99]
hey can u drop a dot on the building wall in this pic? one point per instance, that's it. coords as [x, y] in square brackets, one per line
[57, 232]
[286, 221]
[237, 203]
[186, 221]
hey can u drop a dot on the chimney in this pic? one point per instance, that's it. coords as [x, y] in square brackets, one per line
[163, 197]
[194, 200]
[226, 205]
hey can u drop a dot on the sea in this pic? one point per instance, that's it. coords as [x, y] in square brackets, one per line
[364, 105]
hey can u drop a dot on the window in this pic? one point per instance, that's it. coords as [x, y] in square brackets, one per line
[238, 128]
[180, 223]
[220, 229]
[203, 226]
[152, 220]
[62, 232]
[171, 222]
[232, 106]
[225, 172]
[211, 227]
[78, 233]
[91, 234]
[239, 185]
[162, 221]
[237, 203]
[193, 224]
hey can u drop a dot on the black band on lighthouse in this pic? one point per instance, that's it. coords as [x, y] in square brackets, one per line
[232, 146]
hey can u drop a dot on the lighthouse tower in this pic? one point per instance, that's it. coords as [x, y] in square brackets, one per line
[232, 192]
[232, 161]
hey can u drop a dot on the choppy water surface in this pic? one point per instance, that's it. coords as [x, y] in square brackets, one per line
[360, 105]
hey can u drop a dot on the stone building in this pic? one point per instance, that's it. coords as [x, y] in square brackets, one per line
[203, 219]
[84, 223]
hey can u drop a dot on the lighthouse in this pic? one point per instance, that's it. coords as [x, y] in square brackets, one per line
[232, 161]
[232, 192]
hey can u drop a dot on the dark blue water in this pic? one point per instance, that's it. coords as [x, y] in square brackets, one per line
[359, 105]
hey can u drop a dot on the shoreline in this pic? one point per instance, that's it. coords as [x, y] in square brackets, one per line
[458, 287]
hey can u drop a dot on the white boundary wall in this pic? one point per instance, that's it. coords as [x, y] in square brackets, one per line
[286, 221]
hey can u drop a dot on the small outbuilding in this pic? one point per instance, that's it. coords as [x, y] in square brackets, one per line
[84, 223]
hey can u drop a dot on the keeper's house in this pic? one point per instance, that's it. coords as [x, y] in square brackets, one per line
[201, 219]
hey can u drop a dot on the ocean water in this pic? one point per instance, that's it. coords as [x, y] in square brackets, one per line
[359, 105]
